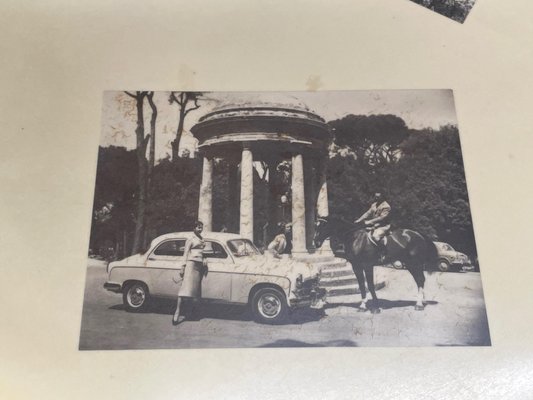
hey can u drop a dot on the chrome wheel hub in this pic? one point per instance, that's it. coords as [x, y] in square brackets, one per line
[269, 306]
[136, 296]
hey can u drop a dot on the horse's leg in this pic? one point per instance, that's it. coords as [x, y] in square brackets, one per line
[369, 274]
[361, 281]
[420, 279]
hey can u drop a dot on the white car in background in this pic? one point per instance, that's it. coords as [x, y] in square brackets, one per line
[237, 273]
[450, 259]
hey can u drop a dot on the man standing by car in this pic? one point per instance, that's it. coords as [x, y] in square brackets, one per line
[378, 219]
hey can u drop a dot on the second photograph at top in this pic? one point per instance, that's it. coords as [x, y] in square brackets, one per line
[457, 10]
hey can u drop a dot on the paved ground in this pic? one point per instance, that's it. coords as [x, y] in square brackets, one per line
[454, 316]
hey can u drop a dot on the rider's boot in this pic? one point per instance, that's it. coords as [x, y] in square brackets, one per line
[382, 251]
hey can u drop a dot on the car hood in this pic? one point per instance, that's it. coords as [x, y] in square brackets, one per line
[265, 265]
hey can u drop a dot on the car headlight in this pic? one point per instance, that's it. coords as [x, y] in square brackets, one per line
[299, 281]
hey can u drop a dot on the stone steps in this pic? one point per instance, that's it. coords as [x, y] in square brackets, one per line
[338, 279]
[338, 282]
[351, 289]
[337, 273]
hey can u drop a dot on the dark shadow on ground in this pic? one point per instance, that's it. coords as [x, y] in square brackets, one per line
[303, 315]
[389, 304]
[482, 343]
[383, 304]
[195, 311]
[297, 343]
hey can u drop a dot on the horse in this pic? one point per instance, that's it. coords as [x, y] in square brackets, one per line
[411, 248]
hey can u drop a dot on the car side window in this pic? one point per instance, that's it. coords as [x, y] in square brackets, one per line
[214, 250]
[172, 248]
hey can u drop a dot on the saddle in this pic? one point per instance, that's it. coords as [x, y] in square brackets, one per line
[370, 232]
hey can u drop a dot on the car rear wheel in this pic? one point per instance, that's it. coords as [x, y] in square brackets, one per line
[444, 266]
[269, 306]
[136, 297]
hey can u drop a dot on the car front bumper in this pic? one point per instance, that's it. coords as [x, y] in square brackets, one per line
[461, 265]
[308, 298]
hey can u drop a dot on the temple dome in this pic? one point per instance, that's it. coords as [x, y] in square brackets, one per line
[261, 118]
[235, 100]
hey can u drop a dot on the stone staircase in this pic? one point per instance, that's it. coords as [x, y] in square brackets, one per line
[338, 279]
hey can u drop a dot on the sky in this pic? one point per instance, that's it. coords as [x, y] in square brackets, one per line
[418, 108]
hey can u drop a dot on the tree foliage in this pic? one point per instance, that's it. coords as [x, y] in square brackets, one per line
[114, 201]
[425, 181]
[374, 139]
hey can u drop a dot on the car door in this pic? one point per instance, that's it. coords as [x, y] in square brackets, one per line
[164, 264]
[217, 284]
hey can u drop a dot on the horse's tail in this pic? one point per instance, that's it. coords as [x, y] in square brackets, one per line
[431, 263]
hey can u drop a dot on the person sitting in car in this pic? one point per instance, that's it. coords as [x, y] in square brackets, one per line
[279, 244]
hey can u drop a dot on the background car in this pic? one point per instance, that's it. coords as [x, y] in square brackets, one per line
[450, 259]
[238, 273]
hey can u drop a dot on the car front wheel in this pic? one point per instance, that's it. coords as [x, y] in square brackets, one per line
[444, 266]
[135, 296]
[269, 306]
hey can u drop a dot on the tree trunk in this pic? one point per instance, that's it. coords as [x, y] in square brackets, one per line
[124, 248]
[151, 164]
[153, 119]
[179, 133]
[182, 99]
[142, 142]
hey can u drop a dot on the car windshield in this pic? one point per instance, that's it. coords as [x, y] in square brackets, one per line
[242, 248]
[446, 247]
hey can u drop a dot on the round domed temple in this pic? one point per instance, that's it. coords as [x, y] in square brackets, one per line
[277, 133]
[262, 127]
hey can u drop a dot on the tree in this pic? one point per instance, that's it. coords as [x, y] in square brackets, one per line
[437, 200]
[142, 142]
[174, 196]
[373, 139]
[183, 100]
[113, 206]
[425, 182]
[153, 119]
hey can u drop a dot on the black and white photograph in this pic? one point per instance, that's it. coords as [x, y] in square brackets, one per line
[457, 10]
[281, 219]
[266, 200]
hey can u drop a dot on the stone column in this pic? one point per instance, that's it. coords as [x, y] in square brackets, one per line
[323, 206]
[205, 203]
[310, 202]
[298, 205]
[232, 214]
[247, 194]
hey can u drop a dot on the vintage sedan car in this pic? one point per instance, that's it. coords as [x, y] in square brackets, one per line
[238, 273]
[450, 259]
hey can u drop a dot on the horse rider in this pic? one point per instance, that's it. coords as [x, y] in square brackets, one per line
[377, 219]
